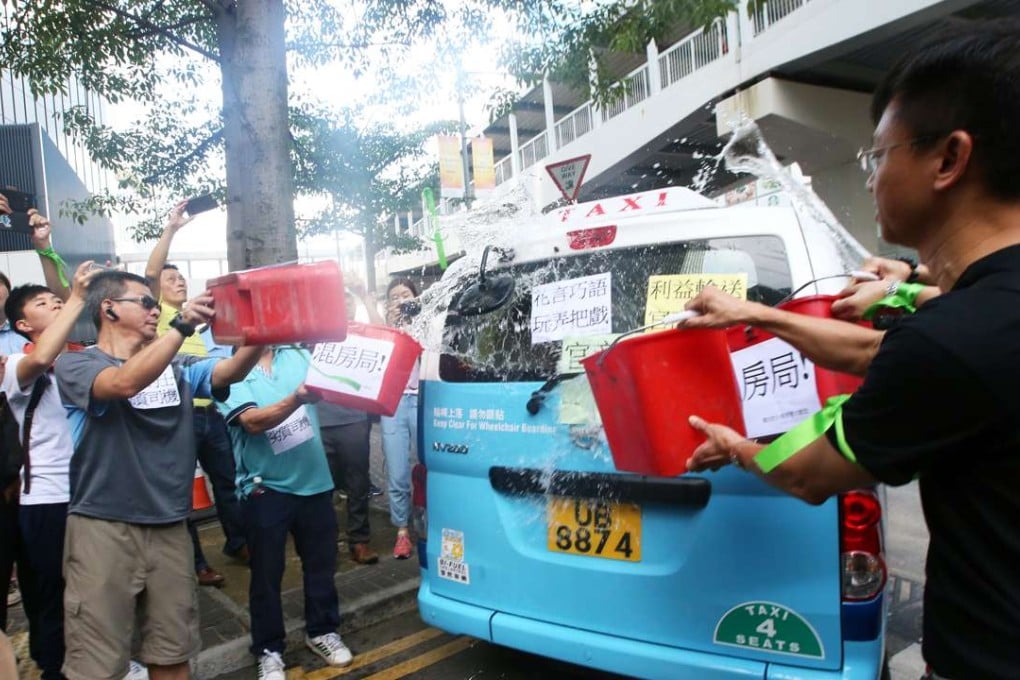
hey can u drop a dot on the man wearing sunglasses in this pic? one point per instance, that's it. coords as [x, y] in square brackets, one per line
[127, 552]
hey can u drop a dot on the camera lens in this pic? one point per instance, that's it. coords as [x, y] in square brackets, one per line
[410, 308]
[5, 221]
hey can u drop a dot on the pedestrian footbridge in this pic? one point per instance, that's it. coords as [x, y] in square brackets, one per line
[803, 69]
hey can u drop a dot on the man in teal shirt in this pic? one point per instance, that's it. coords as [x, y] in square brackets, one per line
[285, 487]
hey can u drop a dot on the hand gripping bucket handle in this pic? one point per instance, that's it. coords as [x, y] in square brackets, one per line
[676, 317]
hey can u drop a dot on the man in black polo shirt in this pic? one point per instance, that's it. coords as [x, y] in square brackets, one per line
[939, 398]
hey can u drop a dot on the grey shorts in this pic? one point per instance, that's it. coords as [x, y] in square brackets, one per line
[117, 574]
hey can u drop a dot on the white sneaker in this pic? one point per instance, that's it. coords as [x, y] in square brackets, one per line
[136, 671]
[331, 648]
[271, 666]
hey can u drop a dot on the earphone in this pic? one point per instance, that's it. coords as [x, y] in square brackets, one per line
[112, 315]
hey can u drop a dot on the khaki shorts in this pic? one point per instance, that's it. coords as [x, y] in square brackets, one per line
[115, 572]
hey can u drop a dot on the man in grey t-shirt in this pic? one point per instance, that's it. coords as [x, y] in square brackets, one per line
[129, 402]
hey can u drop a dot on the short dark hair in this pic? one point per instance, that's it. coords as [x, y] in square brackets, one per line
[4, 281]
[19, 298]
[967, 78]
[170, 266]
[105, 285]
[407, 283]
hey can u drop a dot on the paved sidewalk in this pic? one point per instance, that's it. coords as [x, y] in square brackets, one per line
[368, 594]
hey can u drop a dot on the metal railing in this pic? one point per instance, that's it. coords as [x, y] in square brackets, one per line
[504, 169]
[534, 151]
[577, 123]
[770, 11]
[692, 53]
[635, 90]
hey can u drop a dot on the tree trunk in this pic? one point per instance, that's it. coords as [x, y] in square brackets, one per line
[370, 250]
[260, 176]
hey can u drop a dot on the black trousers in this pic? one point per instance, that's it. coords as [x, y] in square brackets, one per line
[347, 450]
[269, 517]
[10, 550]
[40, 575]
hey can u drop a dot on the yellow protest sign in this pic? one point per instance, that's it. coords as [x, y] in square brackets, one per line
[575, 349]
[671, 293]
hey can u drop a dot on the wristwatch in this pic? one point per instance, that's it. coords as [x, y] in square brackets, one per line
[181, 326]
[913, 276]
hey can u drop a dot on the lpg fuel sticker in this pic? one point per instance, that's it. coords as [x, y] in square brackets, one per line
[451, 557]
[670, 294]
[768, 627]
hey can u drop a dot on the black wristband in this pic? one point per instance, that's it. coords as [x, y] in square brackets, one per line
[913, 276]
[181, 326]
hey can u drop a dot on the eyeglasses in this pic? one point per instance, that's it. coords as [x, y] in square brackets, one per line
[146, 301]
[870, 159]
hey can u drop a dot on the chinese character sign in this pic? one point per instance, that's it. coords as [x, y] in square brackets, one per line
[575, 349]
[777, 387]
[291, 433]
[670, 294]
[162, 392]
[355, 366]
[575, 307]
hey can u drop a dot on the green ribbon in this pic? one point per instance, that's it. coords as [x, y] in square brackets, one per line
[430, 205]
[904, 298]
[776, 453]
[52, 255]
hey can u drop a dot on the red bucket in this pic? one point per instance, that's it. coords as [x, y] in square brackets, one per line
[280, 304]
[828, 383]
[367, 371]
[646, 387]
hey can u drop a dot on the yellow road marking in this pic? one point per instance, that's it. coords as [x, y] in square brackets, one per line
[427, 659]
[371, 656]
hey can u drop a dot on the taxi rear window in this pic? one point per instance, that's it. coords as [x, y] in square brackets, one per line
[524, 339]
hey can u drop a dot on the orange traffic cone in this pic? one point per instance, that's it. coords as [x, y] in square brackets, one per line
[200, 492]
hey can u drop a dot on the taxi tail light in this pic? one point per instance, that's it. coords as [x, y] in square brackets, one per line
[861, 552]
[419, 501]
[596, 237]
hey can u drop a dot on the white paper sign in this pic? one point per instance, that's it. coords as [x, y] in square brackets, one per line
[355, 366]
[777, 387]
[294, 431]
[160, 393]
[572, 308]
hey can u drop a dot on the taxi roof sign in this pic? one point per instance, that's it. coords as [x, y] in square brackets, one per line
[567, 175]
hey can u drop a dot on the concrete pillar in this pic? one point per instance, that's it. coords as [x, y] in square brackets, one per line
[654, 75]
[515, 146]
[550, 117]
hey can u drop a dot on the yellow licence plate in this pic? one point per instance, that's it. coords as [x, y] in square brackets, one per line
[594, 528]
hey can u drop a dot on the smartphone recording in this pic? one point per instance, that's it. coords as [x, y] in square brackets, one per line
[200, 204]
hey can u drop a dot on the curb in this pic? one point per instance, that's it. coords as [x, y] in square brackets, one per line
[356, 614]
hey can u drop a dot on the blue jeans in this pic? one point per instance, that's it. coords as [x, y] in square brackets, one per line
[270, 516]
[400, 442]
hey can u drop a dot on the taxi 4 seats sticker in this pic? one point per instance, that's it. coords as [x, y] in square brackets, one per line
[768, 627]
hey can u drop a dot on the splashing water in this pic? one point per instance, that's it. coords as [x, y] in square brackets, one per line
[747, 152]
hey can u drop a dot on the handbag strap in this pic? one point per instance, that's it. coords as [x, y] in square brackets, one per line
[41, 383]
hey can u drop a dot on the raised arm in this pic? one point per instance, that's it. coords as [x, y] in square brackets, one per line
[157, 258]
[371, 305]
[138, 372]
[232, 370]
[52, 264]
[836, 345]
[259, 420]
[52, 341]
